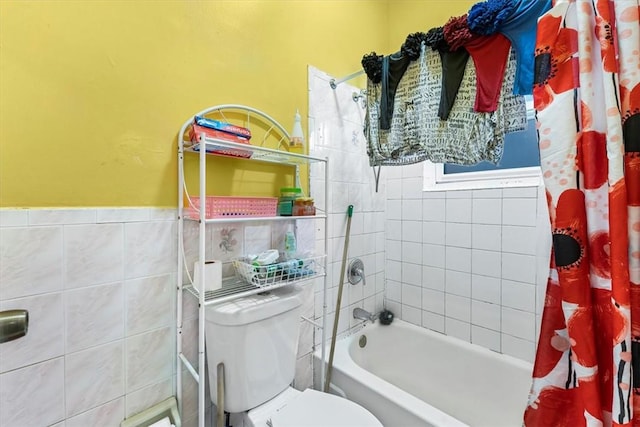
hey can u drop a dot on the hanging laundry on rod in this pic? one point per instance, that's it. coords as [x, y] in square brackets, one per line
[454, 62]
[388, 71]
[418, 134]
[489, 54]
[518, 21]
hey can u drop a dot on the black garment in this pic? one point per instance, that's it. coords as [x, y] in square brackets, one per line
[453, 65]
[393, 68]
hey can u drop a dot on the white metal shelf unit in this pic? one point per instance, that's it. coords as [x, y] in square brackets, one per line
[233, 288]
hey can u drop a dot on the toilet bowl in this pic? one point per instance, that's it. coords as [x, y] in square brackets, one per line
[309, 408]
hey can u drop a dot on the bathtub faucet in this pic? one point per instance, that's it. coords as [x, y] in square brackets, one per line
[362, 314]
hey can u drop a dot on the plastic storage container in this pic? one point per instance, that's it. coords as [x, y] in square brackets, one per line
[303, 206]
[288, 195]
[228, 207]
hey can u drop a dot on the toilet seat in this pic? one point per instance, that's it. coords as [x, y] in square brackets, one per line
[312, 408]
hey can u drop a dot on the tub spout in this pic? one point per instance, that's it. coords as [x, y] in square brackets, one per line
[362, 314]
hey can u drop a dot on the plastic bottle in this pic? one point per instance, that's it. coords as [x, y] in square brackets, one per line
[297, 137]
[290, 245]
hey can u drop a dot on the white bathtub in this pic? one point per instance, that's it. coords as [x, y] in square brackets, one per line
[410, 376]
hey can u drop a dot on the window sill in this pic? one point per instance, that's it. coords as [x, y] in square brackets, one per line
[436, 180]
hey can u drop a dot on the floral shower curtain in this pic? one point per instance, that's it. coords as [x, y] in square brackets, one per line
[587, 97]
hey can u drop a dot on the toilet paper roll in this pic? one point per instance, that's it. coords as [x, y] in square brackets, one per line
[212, 275]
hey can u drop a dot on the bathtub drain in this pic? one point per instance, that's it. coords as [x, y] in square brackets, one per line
[362, 341]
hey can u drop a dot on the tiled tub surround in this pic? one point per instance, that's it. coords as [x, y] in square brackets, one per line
[472, 264]
[335, 131]
[99, 285]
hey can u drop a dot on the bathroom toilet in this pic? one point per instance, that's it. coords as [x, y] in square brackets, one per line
[256, 338]
[309, 408]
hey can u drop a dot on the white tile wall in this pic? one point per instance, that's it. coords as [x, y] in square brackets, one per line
[411, 274]
[31, 261]
[458, 283]
[486, 263]
[485, 288]
[433, 209]
[94, 316]
[87, 328]
[45, 338]
[433, 278]
[487, 211]
[432, 301]
[458, 234]
[146, 359]
[109, 414]
[412, 252]
[146, 300]
[457, 328]
[375, 217]
[33, 395]
[139, 400]
[458, 209]
[433, 321]
[466, 263]
[93, 254]
[457, 307]
[99, 285]
[149, 257]
[433, 255]
[93, 377]
[483, 264]
[485, 337]
[458, 259]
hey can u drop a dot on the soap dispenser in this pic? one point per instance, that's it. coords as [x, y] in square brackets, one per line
[297, 137]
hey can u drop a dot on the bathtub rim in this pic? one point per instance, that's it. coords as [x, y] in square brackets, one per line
[345, 365]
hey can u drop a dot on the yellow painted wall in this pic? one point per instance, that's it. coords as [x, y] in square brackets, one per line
[410, 16]
[92, 94]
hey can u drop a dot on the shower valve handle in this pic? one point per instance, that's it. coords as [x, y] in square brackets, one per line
[356, 272]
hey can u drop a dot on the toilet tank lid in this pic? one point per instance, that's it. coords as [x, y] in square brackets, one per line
[255, 308]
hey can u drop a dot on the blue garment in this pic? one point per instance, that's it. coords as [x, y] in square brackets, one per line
[486, 18]
[520, 28]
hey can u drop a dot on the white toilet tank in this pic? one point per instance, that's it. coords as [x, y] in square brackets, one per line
[256, 338]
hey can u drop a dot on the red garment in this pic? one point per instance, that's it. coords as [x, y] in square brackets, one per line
[489, 54]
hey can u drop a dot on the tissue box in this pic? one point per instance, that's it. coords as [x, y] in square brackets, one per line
[197, 130]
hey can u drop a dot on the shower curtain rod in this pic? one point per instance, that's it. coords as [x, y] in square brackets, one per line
[334, 83]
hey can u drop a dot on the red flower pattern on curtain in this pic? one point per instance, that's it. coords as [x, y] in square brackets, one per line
[587, 97]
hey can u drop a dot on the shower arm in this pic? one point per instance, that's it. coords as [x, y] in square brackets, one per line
[334, 83]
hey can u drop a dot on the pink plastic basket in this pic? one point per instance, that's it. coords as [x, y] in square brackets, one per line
[229, 207]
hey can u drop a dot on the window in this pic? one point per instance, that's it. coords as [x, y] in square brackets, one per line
[519, 166]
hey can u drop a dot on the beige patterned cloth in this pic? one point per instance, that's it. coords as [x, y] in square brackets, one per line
[418, 134]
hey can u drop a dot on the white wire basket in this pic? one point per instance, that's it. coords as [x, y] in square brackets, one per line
[286, 271]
